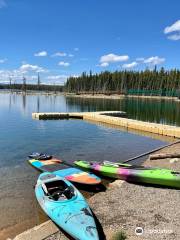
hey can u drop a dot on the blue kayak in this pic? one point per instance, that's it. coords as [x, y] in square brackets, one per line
[66, 206]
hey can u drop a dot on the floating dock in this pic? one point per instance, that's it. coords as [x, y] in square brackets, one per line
[116, 118]
[78, 115]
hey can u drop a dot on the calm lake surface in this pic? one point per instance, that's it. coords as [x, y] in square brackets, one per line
[150, 110]
[68, 139]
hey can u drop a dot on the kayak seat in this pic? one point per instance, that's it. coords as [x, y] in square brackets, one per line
[58, 190]
[175, 173]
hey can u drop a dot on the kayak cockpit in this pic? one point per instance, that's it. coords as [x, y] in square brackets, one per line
[58, 190]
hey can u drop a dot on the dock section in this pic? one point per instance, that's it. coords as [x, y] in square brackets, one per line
[78, 115]
[116, 118]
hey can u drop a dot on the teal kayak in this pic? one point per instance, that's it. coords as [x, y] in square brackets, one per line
[66, 206]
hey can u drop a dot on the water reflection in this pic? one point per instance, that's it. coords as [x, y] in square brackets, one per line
[38, 104]
[24, 101]
[152, 110]
[10, 101]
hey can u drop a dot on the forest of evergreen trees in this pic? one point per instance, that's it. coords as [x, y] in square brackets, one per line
[148, 82]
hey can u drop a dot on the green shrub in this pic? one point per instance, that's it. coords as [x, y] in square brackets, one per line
[120, 235]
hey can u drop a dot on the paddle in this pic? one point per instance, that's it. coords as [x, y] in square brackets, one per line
[149, 152]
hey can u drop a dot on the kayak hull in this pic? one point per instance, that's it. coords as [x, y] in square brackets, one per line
[72, 215]
[157, 176]
[72, 174]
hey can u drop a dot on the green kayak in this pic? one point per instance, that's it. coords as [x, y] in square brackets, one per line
[133, 173]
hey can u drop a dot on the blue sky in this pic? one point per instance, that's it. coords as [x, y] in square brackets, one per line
[60, 38]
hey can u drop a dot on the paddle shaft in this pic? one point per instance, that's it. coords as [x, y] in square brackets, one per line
[149, 152]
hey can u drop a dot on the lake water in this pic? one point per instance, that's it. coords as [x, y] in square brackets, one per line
[68, 139]
[145, 109]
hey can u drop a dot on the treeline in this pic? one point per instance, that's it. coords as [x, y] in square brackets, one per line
[148, 82]
[33, 87]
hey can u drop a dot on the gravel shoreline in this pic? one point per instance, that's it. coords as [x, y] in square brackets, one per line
[118, 96]
[125, 206]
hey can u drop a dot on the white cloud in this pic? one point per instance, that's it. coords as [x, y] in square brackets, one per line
[14, 74]
[41, 54]
[61, 79]
[59, 54]
[4, 74]
[62, 54]
[65, 64]
[4, 81]
[32, 77]
[110, 58]
[154, 60]
[76, 49]
[174, 37]
[173, 28]
[55, 77]
[104, 64]
[141, 59]
[75, 75]
[2, 3]
[130, 65]
[31, 68]
[3, 60]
